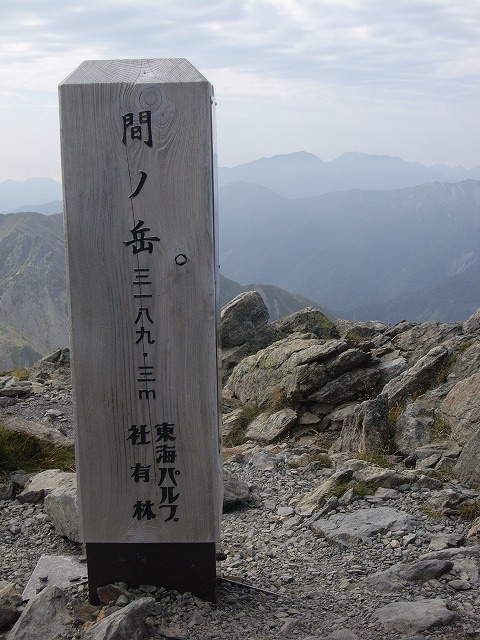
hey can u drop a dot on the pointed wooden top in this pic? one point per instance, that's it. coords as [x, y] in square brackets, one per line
[164, 70]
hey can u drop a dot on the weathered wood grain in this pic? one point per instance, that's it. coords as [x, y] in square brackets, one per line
[177, 203]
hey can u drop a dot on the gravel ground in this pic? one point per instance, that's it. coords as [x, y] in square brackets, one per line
[301, 587]
[295, 584]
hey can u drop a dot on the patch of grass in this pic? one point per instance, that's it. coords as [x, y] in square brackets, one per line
[324, 460]
[469, 510]
[277, 402]
[441, 430]
[359, 488]
[237, 436]
[429, 510]
[355, 337]
[21, 374]
[378, 459]
[24, 451]
[435, 379]
[465, 346]
[395, 412]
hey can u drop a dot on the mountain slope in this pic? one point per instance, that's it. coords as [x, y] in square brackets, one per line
[33, 305]
[451, 300]
[351, 248]
[32, 287]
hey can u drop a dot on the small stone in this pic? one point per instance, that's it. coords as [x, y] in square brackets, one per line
[111, 593]
[460, 585]
[288, 625]
[148, 588]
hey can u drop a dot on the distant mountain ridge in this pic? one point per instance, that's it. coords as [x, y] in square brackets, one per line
[369, 237]
[302, 174]
[15, 194]
[294, 175]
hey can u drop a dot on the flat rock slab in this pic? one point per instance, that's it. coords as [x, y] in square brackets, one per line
[58, 571]
[268, 428]
[411, 617]
[361, 525]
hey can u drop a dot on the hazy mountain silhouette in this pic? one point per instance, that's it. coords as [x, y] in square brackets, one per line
[15, 194]
[302, 174]
[353, 248]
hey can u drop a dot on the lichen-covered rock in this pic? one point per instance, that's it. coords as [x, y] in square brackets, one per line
[352, 385]
[244, 329]
[417, 379]
[293, 366]
[417, 341]
[43, 483]
[242, 317]
[307, 320]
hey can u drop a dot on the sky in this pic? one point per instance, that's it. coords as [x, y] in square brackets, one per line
[395, 77]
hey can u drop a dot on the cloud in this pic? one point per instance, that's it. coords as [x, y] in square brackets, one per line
[284, 59]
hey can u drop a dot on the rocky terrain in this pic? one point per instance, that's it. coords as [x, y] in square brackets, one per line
[351, 490]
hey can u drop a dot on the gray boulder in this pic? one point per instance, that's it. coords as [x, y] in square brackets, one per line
[267, 428]
[41, 484]
[241, 318]
[47, 615]
[467, 468]
[395, 577]
[367, 430]
[61, 506]
[418, 340]
[472, 324]
[235, 491]
[293, 367]
[417, 379]
[412, 617]
[244, 329]
[129, 623]
[461, 408]
[361, 525]
[307, 320]
[413, 427]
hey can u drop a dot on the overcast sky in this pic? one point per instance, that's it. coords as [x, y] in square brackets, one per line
[396, 77]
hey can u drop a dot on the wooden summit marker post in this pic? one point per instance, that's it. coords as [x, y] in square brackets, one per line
[138, 167]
